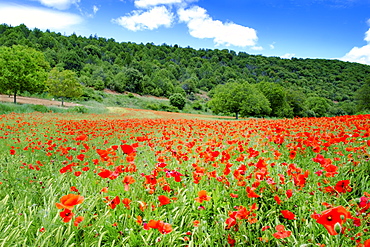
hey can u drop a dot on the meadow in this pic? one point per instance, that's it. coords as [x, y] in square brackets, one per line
[174, 180]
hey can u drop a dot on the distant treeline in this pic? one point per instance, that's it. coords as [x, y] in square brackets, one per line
[162, 70]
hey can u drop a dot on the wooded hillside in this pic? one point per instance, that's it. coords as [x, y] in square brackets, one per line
[162, 70]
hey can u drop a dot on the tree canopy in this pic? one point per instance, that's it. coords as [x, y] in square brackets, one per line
[240, 98]
[162, 70]
[22, 69]
[63, 84]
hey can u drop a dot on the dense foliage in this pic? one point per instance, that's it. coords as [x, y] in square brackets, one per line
[22, 69]
[162, 70]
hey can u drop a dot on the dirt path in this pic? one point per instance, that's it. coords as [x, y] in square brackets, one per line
[34, 101]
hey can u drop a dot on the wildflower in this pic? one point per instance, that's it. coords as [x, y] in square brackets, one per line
[288, 215]
[281, 233]
[330, 219]
[127, 180]
[78, 220]
[69, 201]
[73, 188]
[162, 227]
[289, 193]
[196, 223]
[127, 149]
[66, 215]
[343, 186]
[113, 204]
[164, 200]
[277, 199]
[126, 203]
[202, 196]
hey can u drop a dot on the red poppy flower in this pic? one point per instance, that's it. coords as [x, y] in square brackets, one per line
[126, 202]
[69, 201]
[127, 149]
[127, 180]
[164, 200]
[113, 204]
[66, 215]
[331, 217]
[288, 215]
[343, 186]
[202, 196]
[78, 220]
[281, 233]
[277, 199]
[162, 227]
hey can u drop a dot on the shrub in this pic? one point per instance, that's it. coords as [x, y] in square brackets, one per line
[78, 109]
[40, 108]
[177, 100]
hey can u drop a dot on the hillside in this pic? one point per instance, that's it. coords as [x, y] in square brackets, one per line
[147, 69]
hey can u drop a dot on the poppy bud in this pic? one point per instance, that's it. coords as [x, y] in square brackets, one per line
[337, 228]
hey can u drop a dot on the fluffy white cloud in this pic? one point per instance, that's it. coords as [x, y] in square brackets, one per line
[32, 17]
[288, 55]
[150, 3]
[359, 54]
[201, 25]
[95, 9]
[59, 4]
[151, 19]
[257, 48]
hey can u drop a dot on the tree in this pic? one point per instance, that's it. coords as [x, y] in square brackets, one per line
[318, 105]
[177, 100]
[22, 69]
[239, 98]
[277, 97]
[362, 96]
[63, 84]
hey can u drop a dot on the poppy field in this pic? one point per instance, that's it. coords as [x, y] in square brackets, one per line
[109, 180]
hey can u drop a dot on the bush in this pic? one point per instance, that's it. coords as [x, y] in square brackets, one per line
[197, 106]
[40, 108]
[177, 100]
[78, 109]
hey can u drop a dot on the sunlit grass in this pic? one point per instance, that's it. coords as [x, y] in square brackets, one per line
[47, 156]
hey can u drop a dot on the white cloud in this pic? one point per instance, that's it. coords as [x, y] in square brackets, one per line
[272, 46]
[150, 3]
[257, 48]
[152, 19]
[95, 9]
[41, 18]
[59, 4]
[359, 54]
[288, 55]
[201, 25]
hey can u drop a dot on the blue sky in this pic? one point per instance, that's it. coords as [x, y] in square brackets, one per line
[331, 29]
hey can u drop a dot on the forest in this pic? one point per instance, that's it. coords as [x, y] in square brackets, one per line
[289, 87]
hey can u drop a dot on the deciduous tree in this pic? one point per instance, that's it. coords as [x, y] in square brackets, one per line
[240, 98]
[63, 84]
[22, 69]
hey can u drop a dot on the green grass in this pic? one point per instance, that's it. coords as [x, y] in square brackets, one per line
[44, 143]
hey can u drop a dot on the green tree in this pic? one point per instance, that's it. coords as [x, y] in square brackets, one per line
[362, 96]
[239, 98]
[63, 84]
[22, 69]
[177, 100]
[318, 105]
[277, 97]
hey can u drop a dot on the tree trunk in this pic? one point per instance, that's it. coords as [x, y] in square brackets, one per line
[236, 115]
[62, 101]
[15, 97]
